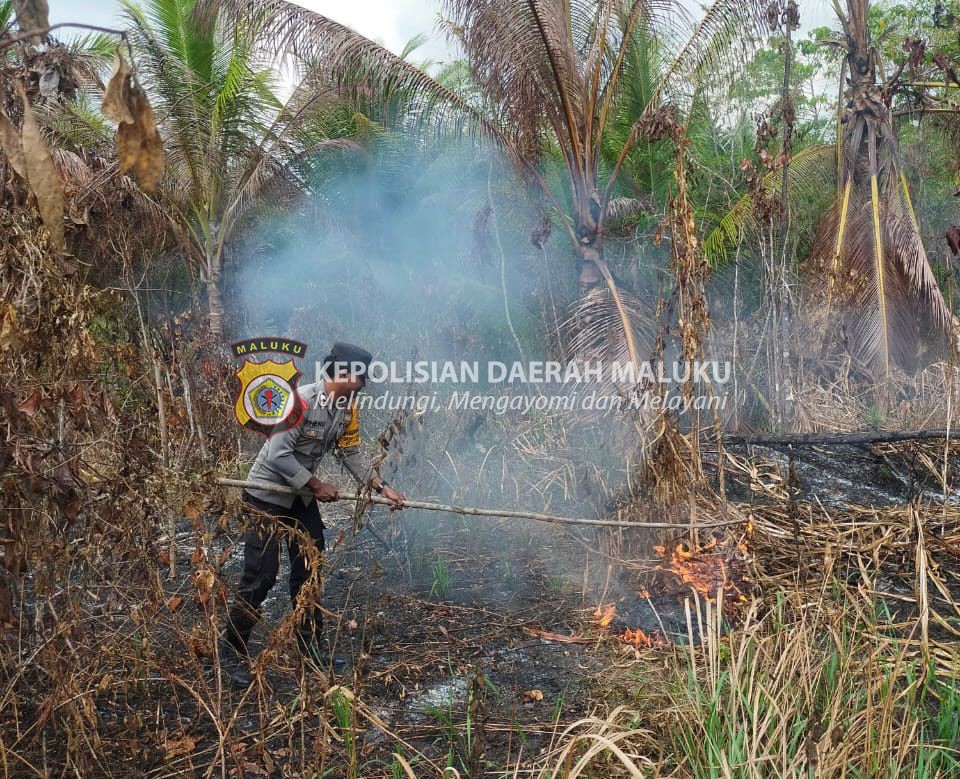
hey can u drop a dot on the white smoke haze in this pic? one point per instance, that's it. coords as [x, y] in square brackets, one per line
[398, 255]
[401, 254]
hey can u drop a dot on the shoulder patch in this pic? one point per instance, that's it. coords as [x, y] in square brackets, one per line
[351, 434]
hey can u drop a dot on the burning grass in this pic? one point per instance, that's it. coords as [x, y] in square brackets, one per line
[631, 636]
[716, 566]
[840, 657]
[801, 639]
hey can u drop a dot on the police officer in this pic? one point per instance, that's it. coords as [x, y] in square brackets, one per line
[330, 423]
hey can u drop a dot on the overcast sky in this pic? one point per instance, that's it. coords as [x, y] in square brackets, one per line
[390, 22]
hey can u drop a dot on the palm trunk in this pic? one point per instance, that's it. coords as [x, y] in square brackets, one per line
[213, 268]
[214, 302]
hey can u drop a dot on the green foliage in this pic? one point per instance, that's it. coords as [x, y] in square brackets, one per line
[876, 418]
[441, 578]
[813, 71]
[557, 582]
[92, 44]
[232, 145]
[940, 731]
[397, 770]
[215, 95]
[789, 695]
[460, 739]
[648, 167]
[78, 124]
[810, 170]
[506, 573]
[343, 714]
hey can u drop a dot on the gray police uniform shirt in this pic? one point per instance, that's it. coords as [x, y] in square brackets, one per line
[291, 456]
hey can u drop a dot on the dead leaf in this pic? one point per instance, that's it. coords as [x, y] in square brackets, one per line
[200, 642]
[149, 168]
[70, 505]
[13, 558]
[164, 557]
[450, 639]
[174, 603]
[33, 15]
[129, 139]
[42, 176]
[30, 404]
[8, 327]
[139, 147]
[12, 147]
[49, 81]
[179, 746]
[204, 580]
[6, 606]
[546, 635]
[531, 696]
[115, 105]
[253, 771]
[269, 764]
[75, 399]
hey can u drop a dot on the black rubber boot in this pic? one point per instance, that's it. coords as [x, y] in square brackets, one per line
[315, 652]
[235, 664]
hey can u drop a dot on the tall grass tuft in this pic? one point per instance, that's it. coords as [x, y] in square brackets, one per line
[811, 690]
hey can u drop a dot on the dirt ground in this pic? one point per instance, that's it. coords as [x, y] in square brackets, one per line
[416, 646]
[471, 642]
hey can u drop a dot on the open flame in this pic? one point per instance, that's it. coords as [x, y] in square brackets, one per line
[636, 638]
[639, 639]
[720, 565]
[706, 570]
[605, 617]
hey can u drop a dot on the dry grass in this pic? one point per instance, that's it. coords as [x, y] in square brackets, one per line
[927, 401]
[831, 678]
[844, 663]
[613, 744]
[813, 686]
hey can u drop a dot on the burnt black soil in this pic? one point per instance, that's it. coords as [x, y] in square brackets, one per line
[841, 475]
[425, 605]
[416, 646]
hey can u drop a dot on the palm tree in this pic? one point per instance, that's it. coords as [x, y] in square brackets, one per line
[550, 73]
[868, 246]
[231, 143]
[867, 264]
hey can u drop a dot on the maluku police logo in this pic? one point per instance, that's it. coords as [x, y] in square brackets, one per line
[267, 401]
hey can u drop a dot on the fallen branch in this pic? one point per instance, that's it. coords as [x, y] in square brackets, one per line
[825, 439]
[559, 637]
[478, 512]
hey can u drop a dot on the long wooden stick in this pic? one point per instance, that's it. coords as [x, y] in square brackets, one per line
[478, 512]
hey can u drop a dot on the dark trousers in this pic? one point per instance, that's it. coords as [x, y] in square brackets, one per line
[261, 563]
